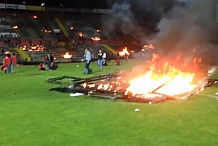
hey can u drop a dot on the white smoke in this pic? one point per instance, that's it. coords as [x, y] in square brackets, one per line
[188, 27]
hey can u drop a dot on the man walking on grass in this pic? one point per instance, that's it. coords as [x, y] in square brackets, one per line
[88, 57]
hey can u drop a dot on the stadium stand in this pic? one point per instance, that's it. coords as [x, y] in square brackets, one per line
[57, 33]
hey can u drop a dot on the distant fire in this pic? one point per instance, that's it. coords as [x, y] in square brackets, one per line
[15, 27]
[80, 34]
[34, 48]
[95, 38]
[46, 31]
[67, 55]
[34, 17]
[124, 52]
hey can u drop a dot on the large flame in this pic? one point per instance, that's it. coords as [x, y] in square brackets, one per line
[168, 81]
[156, 78]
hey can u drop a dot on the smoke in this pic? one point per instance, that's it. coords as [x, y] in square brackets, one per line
[122, 21]
[119, 19]
[188, 27]
[178, 25]
[135, 18]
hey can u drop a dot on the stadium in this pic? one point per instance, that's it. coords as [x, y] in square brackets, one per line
[108, 72]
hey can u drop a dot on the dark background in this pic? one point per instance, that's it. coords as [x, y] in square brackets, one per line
[65, 3]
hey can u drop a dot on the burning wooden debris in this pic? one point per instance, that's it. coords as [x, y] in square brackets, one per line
[118, 86]
[157, 80]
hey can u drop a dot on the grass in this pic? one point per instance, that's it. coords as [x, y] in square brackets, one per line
[31, 115]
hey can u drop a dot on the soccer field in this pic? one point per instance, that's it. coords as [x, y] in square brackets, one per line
[31, 115]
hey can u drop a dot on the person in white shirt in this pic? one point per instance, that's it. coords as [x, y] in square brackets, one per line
[88, 57]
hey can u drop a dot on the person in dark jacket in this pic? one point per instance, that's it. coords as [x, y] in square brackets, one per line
[100, 55]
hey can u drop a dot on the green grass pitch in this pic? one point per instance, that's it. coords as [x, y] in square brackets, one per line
[31, 115]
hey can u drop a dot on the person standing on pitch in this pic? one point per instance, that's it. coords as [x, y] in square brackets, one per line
[7, 63]
[14, 60]
[100, 55]
[88, 57]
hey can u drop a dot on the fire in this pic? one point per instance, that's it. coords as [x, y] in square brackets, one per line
[34, 17]
[156, 82]
[80, 34]
[98, 30]
[15, 27]
[158, 78]
[46, 30]
[33, 48]
[95, 38]
[67, 55]
[179, 85]
[124, 52]
[169, 81]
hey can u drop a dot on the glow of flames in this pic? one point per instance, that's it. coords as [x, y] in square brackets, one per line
[15, 27]
[155, 57]
[80, 34]
[33, 48]
[197, 60]
[67, 55]
[35, 17]
[159, 80]
[124, 52]
[95, 38]
[150, 46]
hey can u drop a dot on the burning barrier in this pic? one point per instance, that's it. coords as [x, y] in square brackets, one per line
[154, 86]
